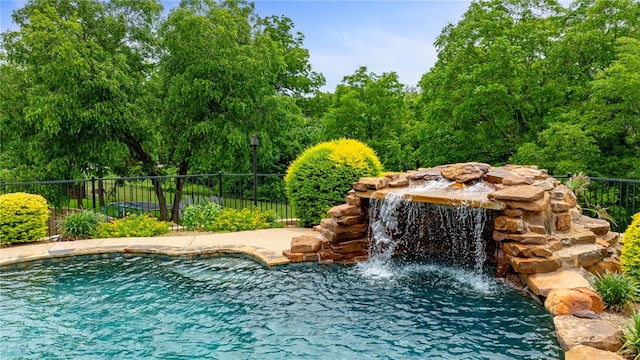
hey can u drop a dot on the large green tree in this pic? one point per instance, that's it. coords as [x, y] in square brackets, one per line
[72, 75]
[596, 65]
[227, 74]
[371, 108]
[488, 91]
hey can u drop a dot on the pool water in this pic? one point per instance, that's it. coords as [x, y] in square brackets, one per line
[233, 308]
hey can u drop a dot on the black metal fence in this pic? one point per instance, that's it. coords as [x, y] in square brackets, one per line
[158, 195]
[620, 198]
[117, 196]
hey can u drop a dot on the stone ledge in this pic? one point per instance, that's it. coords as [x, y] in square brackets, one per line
[542, 284]
[582, 352]
[438, 197]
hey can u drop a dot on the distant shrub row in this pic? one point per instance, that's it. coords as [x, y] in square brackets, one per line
[23, 218]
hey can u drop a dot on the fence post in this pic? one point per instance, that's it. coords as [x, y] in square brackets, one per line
[254, 145]
[93, 191]
[220, 187]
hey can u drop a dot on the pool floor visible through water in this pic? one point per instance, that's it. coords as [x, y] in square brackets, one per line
[232, 308]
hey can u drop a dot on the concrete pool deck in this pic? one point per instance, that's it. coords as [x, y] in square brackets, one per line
[265, 246]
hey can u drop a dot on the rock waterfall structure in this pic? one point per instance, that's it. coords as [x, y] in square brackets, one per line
[523, 220]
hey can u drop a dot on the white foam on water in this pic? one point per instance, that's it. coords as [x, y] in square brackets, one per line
[468, 280]
[376, 270]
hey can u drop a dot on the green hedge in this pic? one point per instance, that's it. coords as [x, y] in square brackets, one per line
[630, 256]
[321, 177]
[23, 218]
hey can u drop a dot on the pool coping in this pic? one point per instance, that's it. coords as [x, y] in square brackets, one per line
[265, 246]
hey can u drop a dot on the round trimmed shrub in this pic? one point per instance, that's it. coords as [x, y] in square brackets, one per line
[630, 256]
[320, 178]
[23, 218]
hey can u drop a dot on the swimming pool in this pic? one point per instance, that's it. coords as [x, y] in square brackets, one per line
[233, 308]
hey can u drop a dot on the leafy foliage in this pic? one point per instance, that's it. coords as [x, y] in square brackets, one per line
[80, 225]
[72, 78]
[631, 346]
[630, 256]
[200, 216]
[488, 91]
[230, 220]
[134, 225]
[616, 289]
[371, 109]
[23, 218]
[321, 177]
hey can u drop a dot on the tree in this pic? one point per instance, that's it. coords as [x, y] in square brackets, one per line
[69, 82]
[74, 75]
[370, 108]
[488, 91]
[227, 74]
[596, 63]
[562, 149]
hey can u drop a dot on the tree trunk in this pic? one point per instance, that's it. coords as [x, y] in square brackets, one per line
[162, 201]
[136, 148]
[184, 166]
[101, 193]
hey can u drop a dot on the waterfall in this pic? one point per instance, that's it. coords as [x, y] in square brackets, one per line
[452, 235]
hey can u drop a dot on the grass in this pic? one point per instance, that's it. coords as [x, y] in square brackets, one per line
[617, 290]
[631, 346]
[136, 193]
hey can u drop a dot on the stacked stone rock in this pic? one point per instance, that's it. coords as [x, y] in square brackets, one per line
[539, 225]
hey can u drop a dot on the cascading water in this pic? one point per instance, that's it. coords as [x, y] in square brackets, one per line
[451, 235]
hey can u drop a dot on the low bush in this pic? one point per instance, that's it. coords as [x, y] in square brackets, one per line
[134, 225]
[196, 217]
[630, 256]
[23, 218]
[80, 225]
[617, 290]
[321, 177]
[229, 220]
[631, 338]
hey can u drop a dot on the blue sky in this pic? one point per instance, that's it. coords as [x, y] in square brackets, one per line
[344, 35]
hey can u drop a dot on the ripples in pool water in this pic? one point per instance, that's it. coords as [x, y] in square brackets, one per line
[231, 308]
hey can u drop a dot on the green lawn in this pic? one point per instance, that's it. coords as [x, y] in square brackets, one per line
[137, 193]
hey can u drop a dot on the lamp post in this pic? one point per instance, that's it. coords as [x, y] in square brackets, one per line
[254, 145]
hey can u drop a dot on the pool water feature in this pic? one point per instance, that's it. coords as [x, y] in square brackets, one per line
[232, 308]
[451, 235]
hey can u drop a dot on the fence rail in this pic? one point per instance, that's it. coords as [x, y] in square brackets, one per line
[115, 196]
[158, 195]
[620, 198]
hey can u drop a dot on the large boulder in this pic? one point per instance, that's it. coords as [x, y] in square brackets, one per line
[568, 301]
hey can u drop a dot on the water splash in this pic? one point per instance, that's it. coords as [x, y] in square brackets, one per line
[410, 230]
